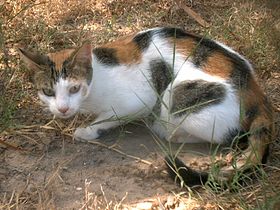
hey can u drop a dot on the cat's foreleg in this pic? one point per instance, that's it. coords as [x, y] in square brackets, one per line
[101, 124]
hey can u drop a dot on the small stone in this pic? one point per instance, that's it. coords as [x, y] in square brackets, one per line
[144, 206]
[170, 203]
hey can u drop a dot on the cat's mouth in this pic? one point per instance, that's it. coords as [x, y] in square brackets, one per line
[64, 115]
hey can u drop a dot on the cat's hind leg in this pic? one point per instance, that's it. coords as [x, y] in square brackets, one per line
[200, 111]
[174, 133]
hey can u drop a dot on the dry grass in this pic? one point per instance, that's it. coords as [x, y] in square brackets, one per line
[251, 27]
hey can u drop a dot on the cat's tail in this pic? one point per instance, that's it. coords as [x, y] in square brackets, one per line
[260, 133]
[181, 173]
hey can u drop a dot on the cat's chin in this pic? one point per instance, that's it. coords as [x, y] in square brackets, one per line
[64, 116]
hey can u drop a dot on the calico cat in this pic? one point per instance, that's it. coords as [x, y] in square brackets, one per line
[199, 89]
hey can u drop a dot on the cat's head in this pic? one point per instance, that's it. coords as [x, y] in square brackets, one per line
[62, 79]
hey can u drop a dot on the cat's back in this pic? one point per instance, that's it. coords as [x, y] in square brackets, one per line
[179, 51]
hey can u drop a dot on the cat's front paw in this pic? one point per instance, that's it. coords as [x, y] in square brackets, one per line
[85, 134]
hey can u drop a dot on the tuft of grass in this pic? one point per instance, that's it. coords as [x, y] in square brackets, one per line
[7, 111]
[93, 201]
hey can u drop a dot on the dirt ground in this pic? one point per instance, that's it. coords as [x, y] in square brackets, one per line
[65, 171]
[42, 167]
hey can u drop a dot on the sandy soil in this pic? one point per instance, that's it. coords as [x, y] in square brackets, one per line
[67, 171]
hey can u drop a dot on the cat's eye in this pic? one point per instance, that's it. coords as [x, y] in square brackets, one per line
[48, 92]
[74, 89]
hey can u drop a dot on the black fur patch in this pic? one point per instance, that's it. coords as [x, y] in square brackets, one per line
[172, 32]
[156, 109]
[252, 112]
[102, 132]
[143, 40]
[241, 72]
[106, 56]
[201, 55]
[65, 68]
[63, 73]
[196, 95]
[265, 155]
[236, 138]
[176, 168]
[161, 73]
[54, 73]
[231, 135]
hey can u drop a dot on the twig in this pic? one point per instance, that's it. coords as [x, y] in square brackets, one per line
[56, 173]
[118, 151]
[192, 13]
[10, 145]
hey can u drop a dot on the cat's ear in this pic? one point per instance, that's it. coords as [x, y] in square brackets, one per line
[34, 61]
[84, 53]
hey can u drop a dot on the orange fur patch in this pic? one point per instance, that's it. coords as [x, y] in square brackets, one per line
[59, 57]
[253, 96]
[183, 46]
[127, 52]
[218, 65]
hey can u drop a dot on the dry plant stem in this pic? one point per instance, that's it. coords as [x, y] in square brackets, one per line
[88, 196]
[118, 151]
[192, 13]
[8, 145]
[118, 206]
[56, 173]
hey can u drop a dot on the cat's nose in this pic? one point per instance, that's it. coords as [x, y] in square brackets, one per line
[63, 110]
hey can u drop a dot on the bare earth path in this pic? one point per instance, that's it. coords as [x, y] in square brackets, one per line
[63, 170]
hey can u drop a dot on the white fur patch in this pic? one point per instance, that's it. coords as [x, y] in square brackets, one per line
[63, 99]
